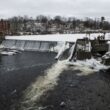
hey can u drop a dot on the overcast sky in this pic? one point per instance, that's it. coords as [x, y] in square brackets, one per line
[77, 8]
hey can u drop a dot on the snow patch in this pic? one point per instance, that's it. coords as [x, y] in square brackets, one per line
[57, 37]
[106, 56]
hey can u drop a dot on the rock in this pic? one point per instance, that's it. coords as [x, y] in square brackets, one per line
[13, 92]
[62, 104]
[73, 85]
[47, 107]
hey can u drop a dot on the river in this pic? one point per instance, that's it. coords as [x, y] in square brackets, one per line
[33, 81]
[18, 71]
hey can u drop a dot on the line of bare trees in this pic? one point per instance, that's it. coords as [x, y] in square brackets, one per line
[47, 25]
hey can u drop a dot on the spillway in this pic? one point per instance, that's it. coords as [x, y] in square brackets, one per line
[28, 45]
[56, 42]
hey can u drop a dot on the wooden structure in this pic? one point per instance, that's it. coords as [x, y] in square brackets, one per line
[83, 49]
[4, 29]
[99, 45]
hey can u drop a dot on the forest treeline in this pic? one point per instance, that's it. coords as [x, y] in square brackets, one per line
[58, 24]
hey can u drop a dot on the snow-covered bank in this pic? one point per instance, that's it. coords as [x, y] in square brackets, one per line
[53, 37]
[56, 37]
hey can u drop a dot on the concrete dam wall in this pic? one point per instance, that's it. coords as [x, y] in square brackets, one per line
[64, 44]
[29, 45]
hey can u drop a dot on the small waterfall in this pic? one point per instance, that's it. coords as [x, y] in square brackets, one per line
[19, 45]
[8, 43]
[36, 46]
[44, 46]
[29, 45]
[72, 52]
[109, 46]
[62, 49]
[66, 51]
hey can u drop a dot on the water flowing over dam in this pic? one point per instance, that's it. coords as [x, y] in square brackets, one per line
[63, 44]
[29, 45]
[44, 42]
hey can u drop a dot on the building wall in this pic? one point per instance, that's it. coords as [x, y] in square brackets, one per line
[4, 27]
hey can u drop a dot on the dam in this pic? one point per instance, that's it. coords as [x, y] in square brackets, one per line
[67, 46]
[29, 45]
[44, 42]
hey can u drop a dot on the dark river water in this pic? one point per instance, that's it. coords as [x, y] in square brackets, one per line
[73, 92]
[17, 72]
[25, 60]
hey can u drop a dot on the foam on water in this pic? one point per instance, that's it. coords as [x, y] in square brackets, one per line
[47, 82]
[87, 67]
[43, 84]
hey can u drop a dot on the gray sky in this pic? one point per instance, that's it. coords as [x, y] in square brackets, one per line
[77, 8]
